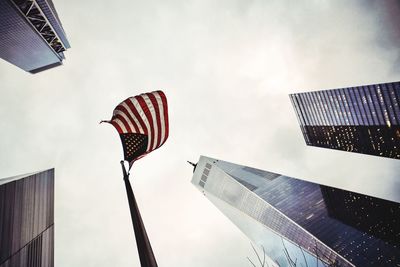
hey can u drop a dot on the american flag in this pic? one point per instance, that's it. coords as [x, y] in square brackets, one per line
[142, 123]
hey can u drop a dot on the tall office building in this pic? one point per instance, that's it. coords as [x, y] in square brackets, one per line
[362, 119]
[27, 220]
[31, 34]
[302, 222]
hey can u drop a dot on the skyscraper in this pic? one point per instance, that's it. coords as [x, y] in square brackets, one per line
[362, 119]
[27, 220]
[303, 222]
[31, 34]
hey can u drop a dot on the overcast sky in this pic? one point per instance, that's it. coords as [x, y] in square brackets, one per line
[227, 68]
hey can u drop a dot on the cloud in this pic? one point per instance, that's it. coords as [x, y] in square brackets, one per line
[227, 68]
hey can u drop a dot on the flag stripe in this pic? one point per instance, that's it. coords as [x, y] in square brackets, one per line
[165, 109]
[149, 119]
[125, 120]
[138, 106]
[157, 124]
[116, 125]
[133, 116]
[120, 124]
[145, 114]
[152, 114]
[130, 103]
[161, 117]
[129, 118]
[124, 123]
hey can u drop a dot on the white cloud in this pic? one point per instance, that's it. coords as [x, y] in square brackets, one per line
[226, 67]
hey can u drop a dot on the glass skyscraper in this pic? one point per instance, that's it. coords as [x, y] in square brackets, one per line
[31, 34]
[362, 119]
[27, 220]
[300, 222]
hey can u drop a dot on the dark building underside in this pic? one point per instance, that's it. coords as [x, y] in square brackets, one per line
[373, 140]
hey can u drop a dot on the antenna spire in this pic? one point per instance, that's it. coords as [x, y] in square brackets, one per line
[193, 164]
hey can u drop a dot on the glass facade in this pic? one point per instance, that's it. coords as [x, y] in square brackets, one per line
[362, 119]
[31, 34]
[303, 222]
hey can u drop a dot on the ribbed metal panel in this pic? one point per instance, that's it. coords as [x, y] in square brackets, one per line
[38, 253]
[27, 221]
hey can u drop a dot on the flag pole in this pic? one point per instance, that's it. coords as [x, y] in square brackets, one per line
[146, 255]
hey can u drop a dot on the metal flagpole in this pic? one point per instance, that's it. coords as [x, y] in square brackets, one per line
[146, 255]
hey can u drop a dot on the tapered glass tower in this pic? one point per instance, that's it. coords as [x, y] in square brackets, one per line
[31, 34]
[362, 119]
[27, 220]
[302, 222]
